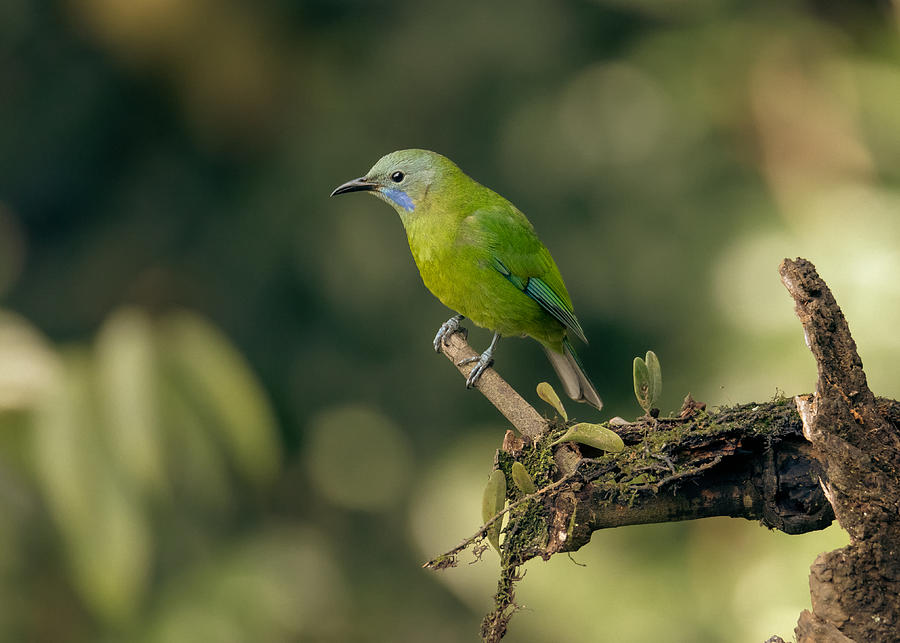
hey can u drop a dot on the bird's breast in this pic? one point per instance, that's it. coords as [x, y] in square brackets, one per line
[460, 273]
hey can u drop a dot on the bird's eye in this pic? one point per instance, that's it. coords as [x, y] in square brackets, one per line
[396, 177]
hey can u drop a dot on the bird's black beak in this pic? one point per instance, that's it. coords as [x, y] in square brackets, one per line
[356, 185]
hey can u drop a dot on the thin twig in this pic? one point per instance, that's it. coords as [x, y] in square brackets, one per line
[435, 563]
[656, 486]
[666, 459]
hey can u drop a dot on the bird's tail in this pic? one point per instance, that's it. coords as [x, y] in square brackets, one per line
[571, 373]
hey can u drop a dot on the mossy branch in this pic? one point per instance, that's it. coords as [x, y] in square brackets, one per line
[449, 558]
[749, 461]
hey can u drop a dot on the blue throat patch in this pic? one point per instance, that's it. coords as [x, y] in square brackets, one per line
[399, 197]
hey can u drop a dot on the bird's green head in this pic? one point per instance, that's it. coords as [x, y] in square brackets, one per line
[403, 178]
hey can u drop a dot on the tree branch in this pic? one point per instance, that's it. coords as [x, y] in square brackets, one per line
[513, 406]
[749, 461]
[855, 590]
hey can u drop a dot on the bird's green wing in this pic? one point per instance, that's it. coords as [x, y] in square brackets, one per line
[518, 254]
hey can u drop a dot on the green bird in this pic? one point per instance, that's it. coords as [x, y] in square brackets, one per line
[479, 255]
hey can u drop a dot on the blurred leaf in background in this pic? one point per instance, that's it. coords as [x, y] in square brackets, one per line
[148, 451]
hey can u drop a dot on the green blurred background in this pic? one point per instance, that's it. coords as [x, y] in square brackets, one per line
[220, 415]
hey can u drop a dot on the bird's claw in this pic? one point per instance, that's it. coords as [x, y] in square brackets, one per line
[446, 330]
[484, 362]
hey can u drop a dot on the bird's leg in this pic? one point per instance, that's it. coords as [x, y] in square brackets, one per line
[483, 362]
[448, 328]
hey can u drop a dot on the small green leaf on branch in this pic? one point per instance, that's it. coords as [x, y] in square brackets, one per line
[546, 393]
[592, 435]
[522, 478]
[492, 503]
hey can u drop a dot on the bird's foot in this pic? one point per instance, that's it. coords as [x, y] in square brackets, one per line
[482, 362]
[448, 328]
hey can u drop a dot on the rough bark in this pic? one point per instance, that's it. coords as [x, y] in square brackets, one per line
[746, 462]
[855, 590]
